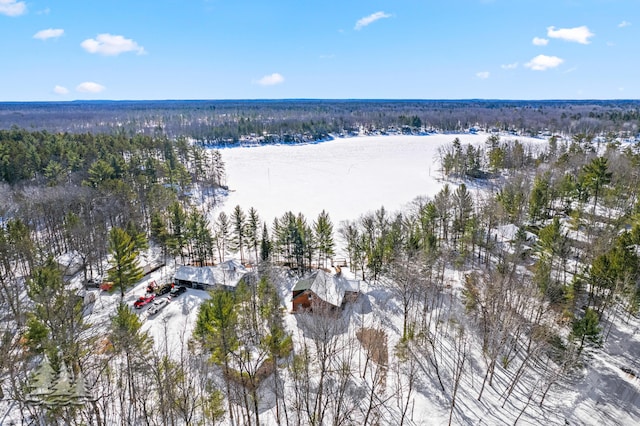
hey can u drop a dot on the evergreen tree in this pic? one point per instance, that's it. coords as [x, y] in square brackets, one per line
[587, 329]
[539, 199]
[56, 325]
[221, 235]
[216, 328]
[265, 244]
[138, 236]
[462, 207]
[100, 174]
[159, 233]
[252, 232]
[124, 269]
[596, 175]
[178, 229]
[200, 238]
[238, 224]
[323, 230]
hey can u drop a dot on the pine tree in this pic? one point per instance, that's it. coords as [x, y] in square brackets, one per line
[56, 324]
[265, 244]
[124, 269]
[159, 233]
[178, 228]
[587, 329]
[323, 230]
[200, 238]
[238, 223]
[138, 236]
[594, 176]
[462, 207]
[216, 328]
[221, 235]
[539, 199]
[252, 231]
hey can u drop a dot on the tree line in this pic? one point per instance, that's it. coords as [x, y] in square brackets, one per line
[289, 120]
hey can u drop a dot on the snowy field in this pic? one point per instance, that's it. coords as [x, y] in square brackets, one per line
[345, 177]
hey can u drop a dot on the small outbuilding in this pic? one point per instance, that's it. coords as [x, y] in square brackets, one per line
[323, 290]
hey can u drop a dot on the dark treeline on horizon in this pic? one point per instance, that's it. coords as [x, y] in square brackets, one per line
[227, 121]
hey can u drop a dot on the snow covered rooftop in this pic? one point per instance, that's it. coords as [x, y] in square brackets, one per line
[69, 263]
[226, 274]
[330, 288]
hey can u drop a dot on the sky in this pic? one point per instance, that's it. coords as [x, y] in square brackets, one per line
[329, 49]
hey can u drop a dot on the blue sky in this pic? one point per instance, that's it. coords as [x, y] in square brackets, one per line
[259, 49]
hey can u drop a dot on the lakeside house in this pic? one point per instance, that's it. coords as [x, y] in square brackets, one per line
[322, 290]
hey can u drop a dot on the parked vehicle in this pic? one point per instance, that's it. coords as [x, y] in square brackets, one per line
[177, 291]
[157, 306]
[164, 289]
[92, 283]
[106, 286]
[144, 301]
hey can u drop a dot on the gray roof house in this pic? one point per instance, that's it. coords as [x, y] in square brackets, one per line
[225, 275]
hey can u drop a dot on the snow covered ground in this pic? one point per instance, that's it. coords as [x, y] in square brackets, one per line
[349, 177]
[345, 177]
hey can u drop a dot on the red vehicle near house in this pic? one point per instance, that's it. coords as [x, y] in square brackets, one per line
[143, 301]
[106, 286]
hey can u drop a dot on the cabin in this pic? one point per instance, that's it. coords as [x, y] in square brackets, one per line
[226, 275]
[323, 291]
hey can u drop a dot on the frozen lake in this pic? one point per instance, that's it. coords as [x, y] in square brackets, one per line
[346, 177]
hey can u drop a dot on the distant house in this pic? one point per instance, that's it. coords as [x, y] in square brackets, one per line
[226, 275]
[324, 290]
[69, 263]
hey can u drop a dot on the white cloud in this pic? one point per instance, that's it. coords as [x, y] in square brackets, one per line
[578, 34]
[271, 80]
[543, 62]
[60, 90]
[363, 22]
[512, 66]
[50, 33]
[90, 87]
[624, 24]
[111, 45]
[539, 41]
[12, 7]
[483, 75]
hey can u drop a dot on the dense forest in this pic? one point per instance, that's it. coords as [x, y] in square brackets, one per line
[107, 181]
[227, 122]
